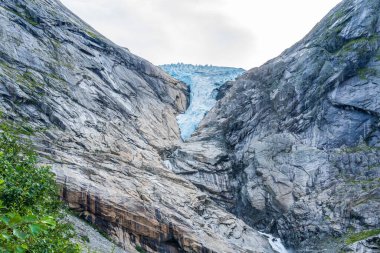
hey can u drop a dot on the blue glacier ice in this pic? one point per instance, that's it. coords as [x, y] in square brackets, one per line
[203, 81]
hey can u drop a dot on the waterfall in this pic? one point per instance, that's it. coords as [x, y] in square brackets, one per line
[275, 243]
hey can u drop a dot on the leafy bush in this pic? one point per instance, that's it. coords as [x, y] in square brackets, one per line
[30, 210]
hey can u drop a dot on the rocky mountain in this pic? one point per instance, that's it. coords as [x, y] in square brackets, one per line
[106, 121]
[293, 147]
[203, 83]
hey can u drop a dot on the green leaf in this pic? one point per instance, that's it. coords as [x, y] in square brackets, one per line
[6, 237]
[5, 219]
[15, 219]
[19, 234]
[48, 220]
[20, 249]
[30, 218]
[35, 229]
[28, 192]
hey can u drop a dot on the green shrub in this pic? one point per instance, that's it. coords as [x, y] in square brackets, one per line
[140, 249]
[352, 238]
[30, 210]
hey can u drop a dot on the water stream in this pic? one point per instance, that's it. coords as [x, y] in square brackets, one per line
[275, 243]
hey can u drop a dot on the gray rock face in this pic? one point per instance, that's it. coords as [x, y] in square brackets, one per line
[106, 121]
[92, 241]
[293, 146]
[369, 245]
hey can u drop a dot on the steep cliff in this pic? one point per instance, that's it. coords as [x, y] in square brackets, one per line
[293, 147]
[106, 120]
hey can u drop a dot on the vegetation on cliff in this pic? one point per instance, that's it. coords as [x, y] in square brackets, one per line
[30, 210]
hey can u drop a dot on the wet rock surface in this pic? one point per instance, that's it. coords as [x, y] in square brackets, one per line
[292, 147]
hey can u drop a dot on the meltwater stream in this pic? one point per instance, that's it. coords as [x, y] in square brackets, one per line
[203, 82]
[275, 243]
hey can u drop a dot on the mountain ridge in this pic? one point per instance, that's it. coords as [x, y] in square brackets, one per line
[108, 120]
[290, 148]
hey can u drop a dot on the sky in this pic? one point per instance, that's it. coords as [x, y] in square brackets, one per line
[235, 33]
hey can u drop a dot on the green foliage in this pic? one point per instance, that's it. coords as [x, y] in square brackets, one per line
[352, 238]
[28, 80]
[365, 72]
[25, 16]
[91, 34]
[368, 181]
[360, 148]
[30, 210]
[354, 43]
[140, 249]
[362, 47]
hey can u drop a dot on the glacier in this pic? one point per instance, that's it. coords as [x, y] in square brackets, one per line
[203, 82]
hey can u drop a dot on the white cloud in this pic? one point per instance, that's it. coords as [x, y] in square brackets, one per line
[242, 33]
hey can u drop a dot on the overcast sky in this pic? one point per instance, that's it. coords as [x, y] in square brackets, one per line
[238, 33]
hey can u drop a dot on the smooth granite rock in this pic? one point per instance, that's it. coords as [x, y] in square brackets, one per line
[292, 147]
[106, 120]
